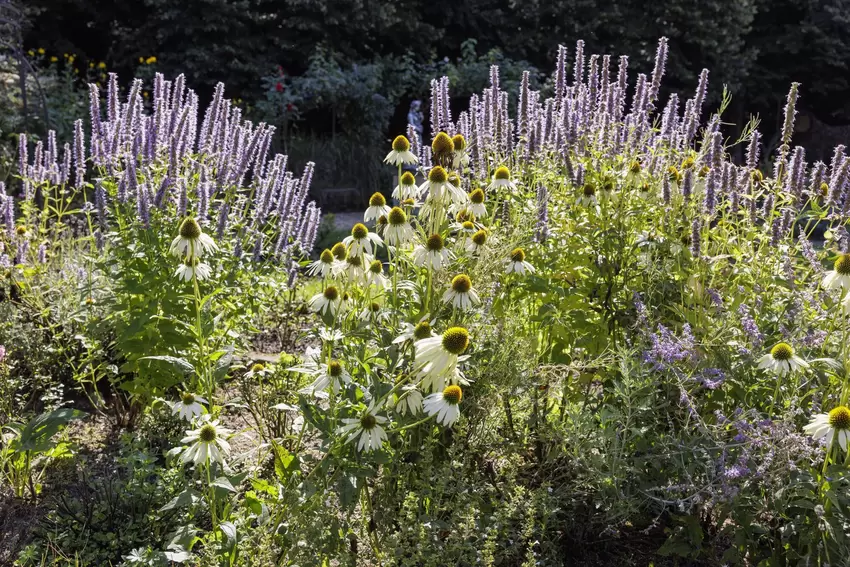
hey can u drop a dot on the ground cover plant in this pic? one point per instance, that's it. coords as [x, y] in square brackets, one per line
[573, 332]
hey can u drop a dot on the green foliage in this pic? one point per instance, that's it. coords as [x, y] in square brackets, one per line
[27, 449]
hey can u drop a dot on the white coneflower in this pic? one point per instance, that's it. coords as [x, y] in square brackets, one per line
[207, 442]
[192, 242]
[339, 251]
[476, 204]
[501, 178]
[461, 293]
[400, 154]
[464, 229]
[361, 240]
[323, 266]
[444, 405]
[781, 360]
[330, 374]
[438, 356]
[375, 275]
[377, 208]
[839, 276]
[189, 406]
[409, 400]
[191, 268]
[346, 303]
[632, 175]
[442, 148]
[477, 241]
[355, 267]
[381, 225]
[432, 254]
[326, 302]
[460, 158]
[588, 195]
[398, 231]
[517, 263]
[440, 189]
[417, 332]
[827, 425]
[406, 188]
[368, 428]
[373, 311]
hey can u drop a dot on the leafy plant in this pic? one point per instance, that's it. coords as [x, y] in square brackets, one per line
[28, 448]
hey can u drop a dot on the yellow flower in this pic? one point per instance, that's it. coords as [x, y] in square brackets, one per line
[150, 60]
[54, 59]
[41, 51]
[31, 52]
[141, 59]
[101, 65]
[91, 65]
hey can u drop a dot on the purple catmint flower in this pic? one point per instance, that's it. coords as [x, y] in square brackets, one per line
[143, 205]
[445, 104]
[696, 238]
[710, 201]
[657, 72]
[113, 107]
[159, 199]
[221, 225]
[665, 189]
[183, 200]
[838, 184]
[292, 276]
[809, 253]
[100, 202]
[203, 192]
[42, 253]
[542, 228]
[561, 75]
[767, 210]
[592, 81]
[640, 310]
[753, 151]
[669, 118]
[749, 326]
[65, 171]
[9, 216]
[578, 68]
[622, 87]
[523, 109]
[687, 183]
[796, 172]
[258, 247]
[776, 232]
[702, 89]
[712, 378]
[715, 297]
[23, 160]
[788, 123]
[816, 178]
[23, 248]
[666, 349]
[79, 154]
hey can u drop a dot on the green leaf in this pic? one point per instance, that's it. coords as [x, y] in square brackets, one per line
[224, 483]
[186, 498]
[38, 434]
[229, 531]
[180, 365]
